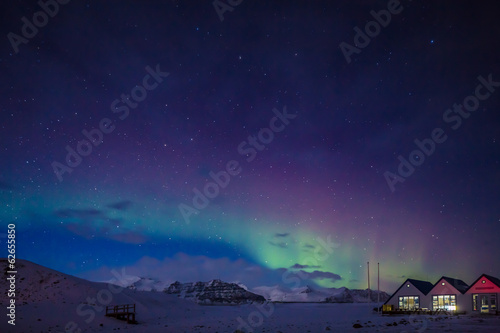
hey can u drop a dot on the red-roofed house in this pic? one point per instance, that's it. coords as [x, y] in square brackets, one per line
[485, 293]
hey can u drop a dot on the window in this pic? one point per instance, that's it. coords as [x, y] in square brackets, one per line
[484, 303]
[446, 302]
[409, 302]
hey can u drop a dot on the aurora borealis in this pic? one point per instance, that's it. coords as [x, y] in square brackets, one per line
[214, 102]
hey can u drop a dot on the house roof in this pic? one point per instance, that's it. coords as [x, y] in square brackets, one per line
[459, 285]
[423, 286]
[493, 279]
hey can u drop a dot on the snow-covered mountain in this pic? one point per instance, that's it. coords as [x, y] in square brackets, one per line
[358, 296]
[219, 292]
[328, 295]
[148, 284]
[214, 292]
[301, 294]
[50, 301]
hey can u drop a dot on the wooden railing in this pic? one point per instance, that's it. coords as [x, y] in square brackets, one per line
[123, 312]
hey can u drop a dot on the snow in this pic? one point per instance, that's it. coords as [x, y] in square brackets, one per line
[49, 301]
[309, 294]
[145, 284]
[301, 294]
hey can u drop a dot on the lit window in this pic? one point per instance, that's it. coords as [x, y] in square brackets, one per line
[407, 286]
[446, 302]
[409, 302]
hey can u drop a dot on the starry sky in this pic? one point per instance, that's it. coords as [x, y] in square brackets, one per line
[307, 125]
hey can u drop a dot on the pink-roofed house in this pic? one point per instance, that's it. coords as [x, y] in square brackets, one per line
[449, 294]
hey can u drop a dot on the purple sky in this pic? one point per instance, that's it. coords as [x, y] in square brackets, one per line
[156, 137]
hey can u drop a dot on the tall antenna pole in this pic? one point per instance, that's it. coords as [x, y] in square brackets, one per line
[378, 287]
[369, 291]
[368, 263]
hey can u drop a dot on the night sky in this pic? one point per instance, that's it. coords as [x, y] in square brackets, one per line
[303, 130]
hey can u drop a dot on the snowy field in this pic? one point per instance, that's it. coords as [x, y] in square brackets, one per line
[165, 313]
[50, 301]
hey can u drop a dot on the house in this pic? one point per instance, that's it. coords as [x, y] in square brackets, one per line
[410, 296]
[449, 294]
[484, 294]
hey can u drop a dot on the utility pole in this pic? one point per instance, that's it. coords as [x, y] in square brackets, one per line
[369, 291]
[378, 288]
[368, 263]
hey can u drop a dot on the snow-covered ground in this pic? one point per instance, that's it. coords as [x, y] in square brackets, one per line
[163, 313]
[49, 301]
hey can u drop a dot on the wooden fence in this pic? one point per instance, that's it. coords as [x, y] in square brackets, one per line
[122, 312]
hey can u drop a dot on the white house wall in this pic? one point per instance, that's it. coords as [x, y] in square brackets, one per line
[409, 291]
[449, 289]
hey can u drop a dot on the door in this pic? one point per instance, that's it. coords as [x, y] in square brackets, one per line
[485, 304]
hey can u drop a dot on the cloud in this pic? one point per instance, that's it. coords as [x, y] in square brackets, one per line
[121, 205]
[109, 230]
[282, 245]
[94, 223]
[84, 230]
[278, 235]
[308, 248]
[79, 213]
[320, 275]
[299, 266]
[187, 268]
[130, 237]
